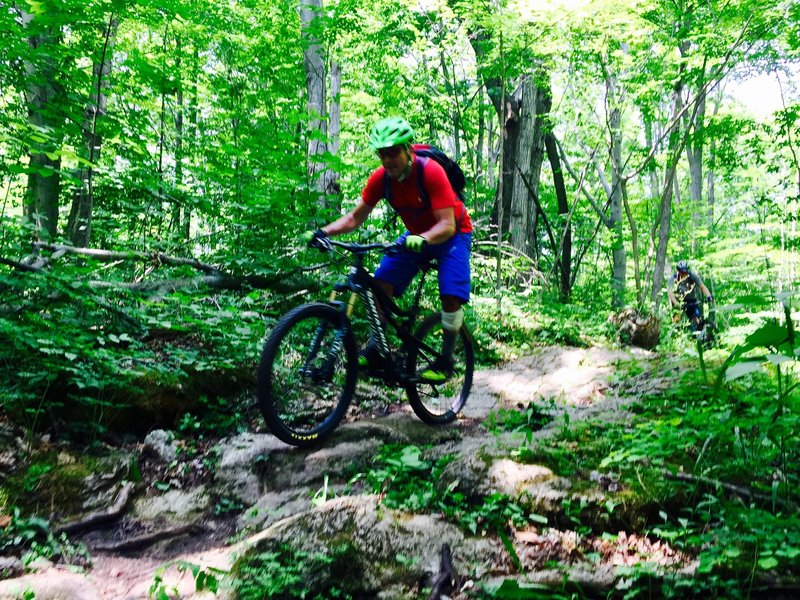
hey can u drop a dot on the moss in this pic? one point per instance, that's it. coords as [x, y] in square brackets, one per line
[52, 481]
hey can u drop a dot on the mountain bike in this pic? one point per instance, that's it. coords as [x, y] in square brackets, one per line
[702, 328]
[309, 365]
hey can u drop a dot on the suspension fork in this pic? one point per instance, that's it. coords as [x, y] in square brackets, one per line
[326, 371]
[338, 340]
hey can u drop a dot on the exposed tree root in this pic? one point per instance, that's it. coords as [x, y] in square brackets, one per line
[101, 517]
[147, 539]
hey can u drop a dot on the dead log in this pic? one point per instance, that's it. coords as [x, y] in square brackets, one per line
[99, 518]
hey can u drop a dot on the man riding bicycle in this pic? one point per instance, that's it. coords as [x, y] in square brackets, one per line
[688, 286]
[439, 228]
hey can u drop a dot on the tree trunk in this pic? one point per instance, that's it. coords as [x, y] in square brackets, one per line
[331, 183]
[492, 152]
[694, 154]
[193, 134]
[79, 224]
[710, 176]
[619, 257]
[455, 113]
[479, 151]
[652, 174]
[43, 94]
[523, 153]
[180, 205]
[665, 206]
[519, 158]
[564, 262]
[311, 15]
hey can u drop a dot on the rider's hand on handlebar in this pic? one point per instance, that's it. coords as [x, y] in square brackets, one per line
[710, 299]
[317, 239]
[415, 243]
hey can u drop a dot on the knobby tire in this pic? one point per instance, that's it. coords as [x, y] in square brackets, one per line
[303, 387]
[439, 404]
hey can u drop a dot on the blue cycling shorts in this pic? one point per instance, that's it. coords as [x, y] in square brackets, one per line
[452, 256]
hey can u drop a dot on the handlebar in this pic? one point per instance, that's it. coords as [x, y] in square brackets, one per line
[355, 248]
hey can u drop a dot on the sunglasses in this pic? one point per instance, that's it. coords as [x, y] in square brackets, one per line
[392, 152]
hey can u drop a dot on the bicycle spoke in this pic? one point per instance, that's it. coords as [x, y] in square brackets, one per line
[307, 375]
[439, 402]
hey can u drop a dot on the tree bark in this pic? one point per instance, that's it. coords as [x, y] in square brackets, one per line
[694, 154]
[43, 95]
[479, 151]
[331, 184]
[564, 262]
[521, 127]
[319, 175]
[523, 153]
[619, 257]
[665, 205]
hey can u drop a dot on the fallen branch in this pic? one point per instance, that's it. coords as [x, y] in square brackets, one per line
[101, 517]
[157, 258]
[17, 265]
[147, 539]
[213, 278]
[284, 283]
[729, 487]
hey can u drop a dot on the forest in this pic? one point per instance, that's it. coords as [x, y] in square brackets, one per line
[161, 159]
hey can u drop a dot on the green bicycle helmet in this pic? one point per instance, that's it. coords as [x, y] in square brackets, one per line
[389, 132]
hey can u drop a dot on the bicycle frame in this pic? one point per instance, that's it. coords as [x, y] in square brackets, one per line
[361, 284]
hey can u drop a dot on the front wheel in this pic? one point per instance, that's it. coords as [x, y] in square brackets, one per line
[307, 375]
[439, 403]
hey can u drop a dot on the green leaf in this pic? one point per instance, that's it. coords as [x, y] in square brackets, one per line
[410, 458]
[778, 359]
[768, 335]
[741, 369]
[541, 519]
[512, 590]
[36, 8]
[768, 562]
[706, 564]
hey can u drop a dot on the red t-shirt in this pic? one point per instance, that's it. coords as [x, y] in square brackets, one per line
[407, 200]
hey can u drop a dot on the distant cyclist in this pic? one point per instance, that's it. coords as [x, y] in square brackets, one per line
[440, 229]
[687, 289]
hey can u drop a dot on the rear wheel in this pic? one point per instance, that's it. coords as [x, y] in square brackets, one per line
[439, 403]
[307, 375]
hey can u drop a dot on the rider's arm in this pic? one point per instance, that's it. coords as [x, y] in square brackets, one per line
[350, 221]
[444, 228]
[699, 283]
[671, 293]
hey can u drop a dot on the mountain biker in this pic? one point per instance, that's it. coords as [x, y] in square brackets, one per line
[686, 286]
[440, 229]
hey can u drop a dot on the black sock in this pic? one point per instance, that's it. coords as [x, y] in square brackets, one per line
[448, 344]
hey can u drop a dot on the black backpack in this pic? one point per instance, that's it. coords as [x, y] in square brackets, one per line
[454, 174]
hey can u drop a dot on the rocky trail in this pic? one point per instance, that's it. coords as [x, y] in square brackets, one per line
[261, 493]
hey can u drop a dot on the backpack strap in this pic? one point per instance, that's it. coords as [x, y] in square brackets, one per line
[426, 199]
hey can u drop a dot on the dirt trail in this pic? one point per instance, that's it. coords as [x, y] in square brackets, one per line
[579, 381]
